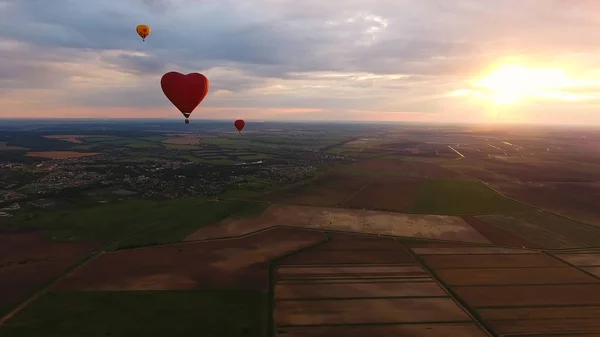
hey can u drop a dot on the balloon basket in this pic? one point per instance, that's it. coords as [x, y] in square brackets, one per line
[187, 121]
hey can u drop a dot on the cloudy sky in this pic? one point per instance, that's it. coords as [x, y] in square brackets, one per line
[399, 60]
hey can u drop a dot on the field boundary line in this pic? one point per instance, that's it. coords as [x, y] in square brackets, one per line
[459, 301]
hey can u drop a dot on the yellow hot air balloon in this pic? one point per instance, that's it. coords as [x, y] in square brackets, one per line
[143, 31]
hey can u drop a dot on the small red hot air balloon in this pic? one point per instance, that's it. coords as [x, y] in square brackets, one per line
[239, 125]
[185, 91]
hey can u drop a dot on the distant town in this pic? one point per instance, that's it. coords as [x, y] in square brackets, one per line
[123, 174]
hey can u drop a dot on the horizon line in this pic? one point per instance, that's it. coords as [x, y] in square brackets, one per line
[307, 121]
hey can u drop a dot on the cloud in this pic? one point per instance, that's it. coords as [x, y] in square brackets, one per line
[392, 56]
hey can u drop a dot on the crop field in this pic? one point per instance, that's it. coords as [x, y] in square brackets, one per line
[421, 330]
[316, 296]
[525, 260]
[31, 246]
[575, 200]
[531, 295]
[514, 276]
[354, 251]
[406, 168]
[386, 193]
[130, 223]
[588, 261]
[5, 147]
[547, 230]
[461, 198]
[526, 294]
[395, 224]
[327, 190]
[498, 236]
[60, 154]
[240, 263]
[20, 280]
[148, 313]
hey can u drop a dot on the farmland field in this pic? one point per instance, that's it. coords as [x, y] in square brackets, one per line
[384, 223]
[547, 230]
[329, 189]
[240, 263]
[180, 313]
[461, 198]
[386, 193]
[298, 229]
[61, 154]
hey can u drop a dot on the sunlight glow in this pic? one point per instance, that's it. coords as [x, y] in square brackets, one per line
[510, 84]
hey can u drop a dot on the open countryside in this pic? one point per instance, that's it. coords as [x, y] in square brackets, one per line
[292, 240]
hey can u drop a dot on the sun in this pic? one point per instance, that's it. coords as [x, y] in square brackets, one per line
[512, 83]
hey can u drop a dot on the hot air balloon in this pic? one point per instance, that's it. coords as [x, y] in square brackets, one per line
[143, 31]
[239, 125]
[184, 91]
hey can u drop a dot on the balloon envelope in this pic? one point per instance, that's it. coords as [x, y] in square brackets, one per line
[239, 124]
[184, 91]
[143, 31]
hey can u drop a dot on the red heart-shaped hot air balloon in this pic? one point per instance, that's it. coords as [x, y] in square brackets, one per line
[184, 91]
[239, 124]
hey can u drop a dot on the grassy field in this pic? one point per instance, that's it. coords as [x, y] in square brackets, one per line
[183, 222]
[131, 222]
[143, 314]
[454, 197]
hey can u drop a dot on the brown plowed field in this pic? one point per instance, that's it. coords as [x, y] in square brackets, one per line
[381, 244]
[405, 330]
[339, 236]
[530, 295]
[386, 193]
[60, 154]
[17, 247]
[593, 270]
[327, 191]
[319, 256]
[350, 272]
[356, 290]
[491, 261]
[508, 276]
[473, 250]
[580, 259]
[397, 310]
[385, 223]
[433, 244]
[241, 263]
[498, 236]
[18, 281]
[509, 314]
[545, 327]
[544, 320]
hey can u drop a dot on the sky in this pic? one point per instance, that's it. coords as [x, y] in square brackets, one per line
[481, 61]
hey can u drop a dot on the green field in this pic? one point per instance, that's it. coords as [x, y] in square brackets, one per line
[455, 197]
[141, 314]
[132, 222]
[181, 223]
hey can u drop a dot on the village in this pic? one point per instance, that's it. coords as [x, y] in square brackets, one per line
[112, 175]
